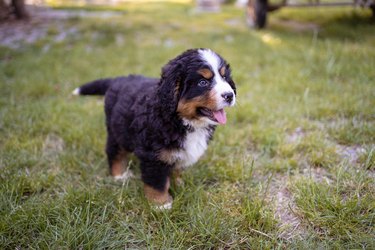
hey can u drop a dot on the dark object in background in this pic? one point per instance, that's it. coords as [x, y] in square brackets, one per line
[256, 11]
[15, 8]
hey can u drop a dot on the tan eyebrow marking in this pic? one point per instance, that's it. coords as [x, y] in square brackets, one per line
[222, 71]
[206, 73]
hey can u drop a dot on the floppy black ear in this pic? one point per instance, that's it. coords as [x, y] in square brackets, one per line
[233, 85]
[230, 80]
[169, 86]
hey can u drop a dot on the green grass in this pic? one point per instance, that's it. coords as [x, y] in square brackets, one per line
[303, 130]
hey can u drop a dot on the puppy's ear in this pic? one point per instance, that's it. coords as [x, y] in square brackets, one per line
[169, 86]
[230, 81]
[233, 85]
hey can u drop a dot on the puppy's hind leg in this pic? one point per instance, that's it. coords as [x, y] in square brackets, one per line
[117, 160]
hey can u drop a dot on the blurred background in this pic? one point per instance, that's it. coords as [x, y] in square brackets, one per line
[294, 166]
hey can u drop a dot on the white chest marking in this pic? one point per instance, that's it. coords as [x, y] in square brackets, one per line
[194, 146]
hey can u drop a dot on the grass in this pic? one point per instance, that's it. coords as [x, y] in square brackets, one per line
[293, 168]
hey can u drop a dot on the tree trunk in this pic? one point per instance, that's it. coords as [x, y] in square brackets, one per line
[20, 9]
[4, 10]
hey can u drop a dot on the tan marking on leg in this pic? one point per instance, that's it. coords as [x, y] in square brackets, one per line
[117, 167]
[156, 196]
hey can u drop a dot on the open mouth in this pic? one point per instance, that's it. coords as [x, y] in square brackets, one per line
[218, 116]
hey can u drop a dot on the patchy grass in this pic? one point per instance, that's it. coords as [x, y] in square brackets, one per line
[294, 166]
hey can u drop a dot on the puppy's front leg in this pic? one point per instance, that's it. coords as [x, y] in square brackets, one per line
[156, 178]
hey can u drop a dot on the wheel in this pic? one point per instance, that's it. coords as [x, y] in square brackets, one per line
[256, 14]
[372, 7]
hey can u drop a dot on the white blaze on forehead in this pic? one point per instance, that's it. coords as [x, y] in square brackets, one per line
[221, 86]
[211, 58]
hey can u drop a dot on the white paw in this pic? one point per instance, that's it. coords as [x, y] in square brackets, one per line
[166, 206]
[128, 174]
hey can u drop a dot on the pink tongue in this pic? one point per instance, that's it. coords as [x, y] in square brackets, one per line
[220, 116]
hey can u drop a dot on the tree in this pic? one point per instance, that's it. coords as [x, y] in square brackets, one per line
[15, 8]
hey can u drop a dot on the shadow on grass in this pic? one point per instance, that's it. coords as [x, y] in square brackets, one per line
[338, 25]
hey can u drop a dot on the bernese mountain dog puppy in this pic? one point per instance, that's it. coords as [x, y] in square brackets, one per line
[167, 122]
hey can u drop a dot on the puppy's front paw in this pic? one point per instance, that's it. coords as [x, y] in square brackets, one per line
[166, 206]
[160, 200]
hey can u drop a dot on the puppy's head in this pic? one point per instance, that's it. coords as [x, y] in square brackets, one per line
[198, 86]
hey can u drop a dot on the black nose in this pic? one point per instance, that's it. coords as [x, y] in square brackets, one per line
[228, 97]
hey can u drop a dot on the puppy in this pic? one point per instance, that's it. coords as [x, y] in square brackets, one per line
[166, 122]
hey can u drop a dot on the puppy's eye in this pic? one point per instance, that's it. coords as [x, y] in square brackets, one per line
[203, 83]
[224, 77]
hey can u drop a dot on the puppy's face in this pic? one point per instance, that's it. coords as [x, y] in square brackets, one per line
[206, 89]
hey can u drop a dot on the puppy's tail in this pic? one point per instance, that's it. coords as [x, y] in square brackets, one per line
[98, 87]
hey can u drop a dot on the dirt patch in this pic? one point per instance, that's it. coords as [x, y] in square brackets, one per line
[317, 174]
[351, 153]
[53, 145]
[65, 14]
[15, 34]
[298, 26]
[234, 22]
[289, 223]
[295, 136]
